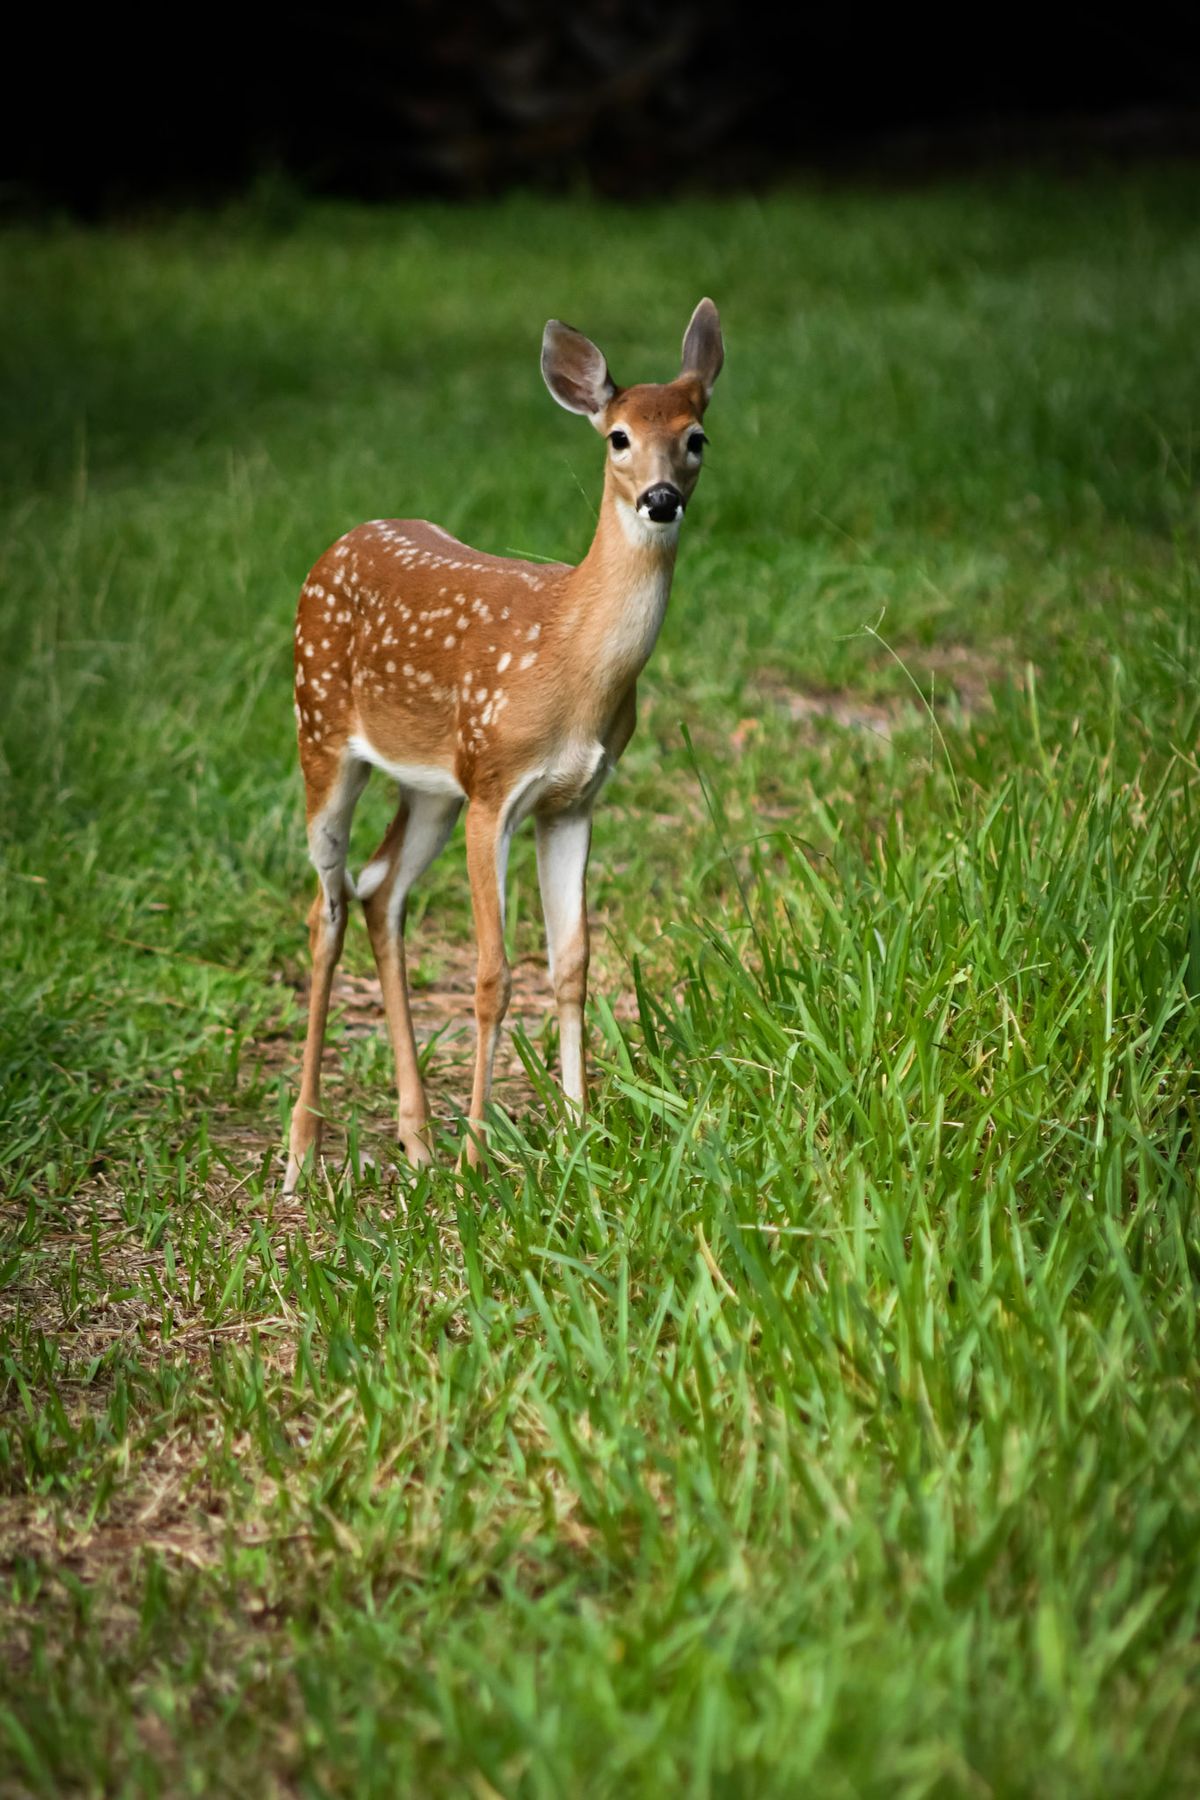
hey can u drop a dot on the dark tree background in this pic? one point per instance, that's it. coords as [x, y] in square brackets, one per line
[636, 99]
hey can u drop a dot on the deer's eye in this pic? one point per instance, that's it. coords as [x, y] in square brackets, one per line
[619, 440]
[696, 442]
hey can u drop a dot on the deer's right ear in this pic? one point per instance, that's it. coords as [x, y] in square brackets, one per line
[704, 347]
[575, 371]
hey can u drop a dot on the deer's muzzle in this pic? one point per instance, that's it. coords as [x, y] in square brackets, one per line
[661, 503]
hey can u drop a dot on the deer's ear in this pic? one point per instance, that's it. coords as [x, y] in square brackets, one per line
[575, 371]
[704, 347]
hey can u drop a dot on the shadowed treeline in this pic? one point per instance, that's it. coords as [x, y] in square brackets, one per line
[634, 100]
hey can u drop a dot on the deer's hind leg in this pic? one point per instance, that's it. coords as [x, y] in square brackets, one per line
[333, 790]
[488, 836]
[422, 824]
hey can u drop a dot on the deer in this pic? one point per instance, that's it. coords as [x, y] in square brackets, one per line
[496, 683]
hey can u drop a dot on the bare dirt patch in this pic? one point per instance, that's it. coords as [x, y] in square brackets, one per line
[955, 680]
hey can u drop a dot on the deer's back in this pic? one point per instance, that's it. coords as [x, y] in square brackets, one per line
[422, 651]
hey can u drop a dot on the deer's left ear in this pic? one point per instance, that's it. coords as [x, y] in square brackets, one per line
[703, 347]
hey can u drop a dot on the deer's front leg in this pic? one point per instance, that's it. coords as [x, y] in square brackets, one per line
[563, 842]
[487, 866]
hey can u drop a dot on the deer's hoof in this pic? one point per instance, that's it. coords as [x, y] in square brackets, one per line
[414, 1141]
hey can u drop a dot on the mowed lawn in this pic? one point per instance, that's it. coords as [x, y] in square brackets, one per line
[822, 1417]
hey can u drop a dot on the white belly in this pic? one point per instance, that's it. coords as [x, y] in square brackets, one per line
[571, 779]
[419, 778]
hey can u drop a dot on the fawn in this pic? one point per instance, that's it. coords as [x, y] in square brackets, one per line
[505, 684]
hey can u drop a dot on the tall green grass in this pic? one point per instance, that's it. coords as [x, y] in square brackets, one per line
[821, 1416]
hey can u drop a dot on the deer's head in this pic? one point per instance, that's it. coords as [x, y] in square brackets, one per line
[655, 430]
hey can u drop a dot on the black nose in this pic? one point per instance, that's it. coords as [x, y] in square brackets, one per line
[664, 503]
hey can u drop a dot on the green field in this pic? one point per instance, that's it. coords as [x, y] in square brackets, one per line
[822, 1418]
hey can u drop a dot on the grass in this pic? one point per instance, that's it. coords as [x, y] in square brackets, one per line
[822, 1417]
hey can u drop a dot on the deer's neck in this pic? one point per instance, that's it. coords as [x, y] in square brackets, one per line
[618, 597]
